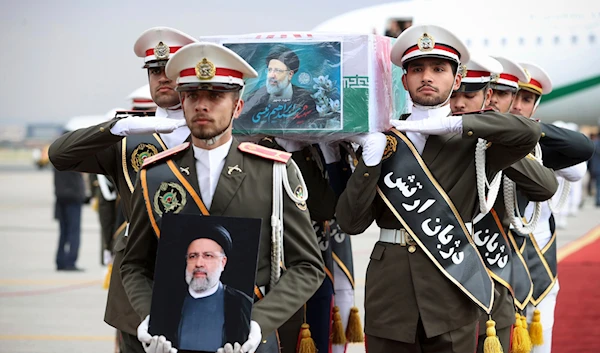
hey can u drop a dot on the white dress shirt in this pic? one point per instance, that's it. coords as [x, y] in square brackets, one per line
[178, 136]
[209, 164]
[417, 138]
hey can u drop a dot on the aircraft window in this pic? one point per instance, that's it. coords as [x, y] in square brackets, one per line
[468, 43]
[486, 42]
[592, 38]
[521, 41]
[574, 39]
[539, 40]
[556, 39]
[503, 41]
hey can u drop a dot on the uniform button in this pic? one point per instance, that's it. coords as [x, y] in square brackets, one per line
[412, 249]
[543, 134]
[101, 129]
[470, 133]
[366, 175]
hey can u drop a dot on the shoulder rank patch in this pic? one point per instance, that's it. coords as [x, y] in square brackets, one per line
[474, 112]
[170, 152]
[264, 152]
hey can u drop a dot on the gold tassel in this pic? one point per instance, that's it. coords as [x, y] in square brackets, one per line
[536, 332]
[520, 337]
[94, 204]
[107, 277]
[307, 344]
[354, 331]
[526, 338]
[491, 343]
[337, 331]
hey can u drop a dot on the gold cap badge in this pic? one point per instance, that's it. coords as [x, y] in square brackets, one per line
[205, 70]
[426, 42]
[162, 51]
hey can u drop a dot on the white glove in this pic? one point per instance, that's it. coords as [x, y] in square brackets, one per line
[331, 152]
[249, 346]
[373, 145]
[137, 125]
[156, 344]
[142, 331]
[431, 126]
[290, 145]
[159, 344]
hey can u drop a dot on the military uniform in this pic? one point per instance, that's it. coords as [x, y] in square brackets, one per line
[538, 183]
[245, 192]
[229, 179]
[424, 310]
[96, 150]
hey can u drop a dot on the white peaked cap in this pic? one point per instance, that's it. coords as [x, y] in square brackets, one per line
[208, 63]
[141, 98]
[480, 69]
[156, 45]
[428, 41]
[512, 73]
[539, 82]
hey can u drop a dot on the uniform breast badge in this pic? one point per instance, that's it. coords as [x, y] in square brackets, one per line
[426, 42]
[169, 198]
[390, 147]
[299, 192]
[140, 153]
[235, 168]
[162, 51]
[205, 70]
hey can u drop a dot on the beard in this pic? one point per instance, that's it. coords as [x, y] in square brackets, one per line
[208, 131]
[202, 284]
[165, 99]
[275, 87]
[429, 101]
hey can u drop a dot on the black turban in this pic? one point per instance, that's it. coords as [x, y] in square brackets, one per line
[285, 55]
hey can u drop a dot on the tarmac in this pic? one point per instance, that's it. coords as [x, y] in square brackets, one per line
[45, 311]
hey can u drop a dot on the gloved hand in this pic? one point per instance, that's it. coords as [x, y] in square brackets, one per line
[431, 126]
[373, 145]
[249, 346]
[290, 145]
[159, 344]
[331, 152]
[156, 344]
[137, 125]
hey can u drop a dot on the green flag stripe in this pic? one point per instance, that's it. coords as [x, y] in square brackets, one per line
[571, 89]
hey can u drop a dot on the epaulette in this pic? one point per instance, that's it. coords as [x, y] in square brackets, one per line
[170, 152]
[264, 152]
[474, 112]
[127, 113]
[404, 116]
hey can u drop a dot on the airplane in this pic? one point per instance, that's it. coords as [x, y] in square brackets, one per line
[561, 37]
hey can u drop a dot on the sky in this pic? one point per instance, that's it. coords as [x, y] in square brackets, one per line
[64, 58]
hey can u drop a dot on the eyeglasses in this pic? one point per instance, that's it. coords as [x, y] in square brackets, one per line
[206, 256]
[277, 71]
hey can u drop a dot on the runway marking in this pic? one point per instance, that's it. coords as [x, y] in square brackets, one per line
[579, 243]
[46, 291]
[41, 282]
[54, 338]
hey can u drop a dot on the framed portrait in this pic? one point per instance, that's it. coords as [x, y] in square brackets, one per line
[298, 88]
[204, 280]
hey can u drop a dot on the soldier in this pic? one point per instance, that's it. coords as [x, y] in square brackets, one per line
[564, 151]
[118, 147]
[217, 175]
[505, 86]
[491, 225]
[326, 173]
[426, 283]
